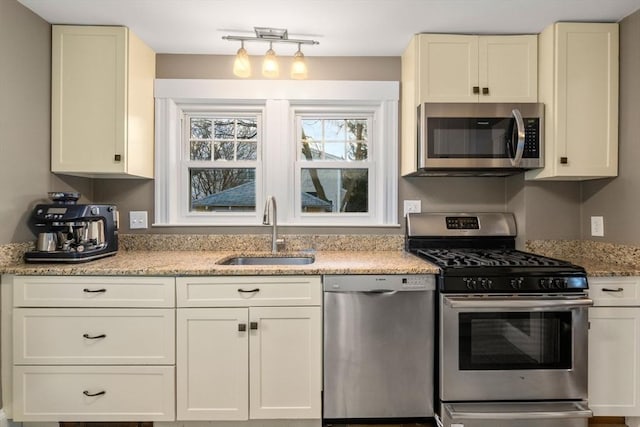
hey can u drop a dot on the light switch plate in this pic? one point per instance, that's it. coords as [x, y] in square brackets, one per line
[138, 219]
[411, 206]
[597, 226]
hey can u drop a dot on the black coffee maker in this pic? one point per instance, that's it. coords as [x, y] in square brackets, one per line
[70, 232]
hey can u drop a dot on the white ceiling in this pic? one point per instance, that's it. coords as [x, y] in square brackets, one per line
[343, 27]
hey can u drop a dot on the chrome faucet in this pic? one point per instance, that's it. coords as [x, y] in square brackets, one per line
[266, 220]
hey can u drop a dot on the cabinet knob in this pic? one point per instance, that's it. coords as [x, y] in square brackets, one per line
[476, 90]
[485, 91]
[242, 327]
[117, 157]
[253, 326]
[564, 160]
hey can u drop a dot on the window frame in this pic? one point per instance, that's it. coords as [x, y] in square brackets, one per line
[232, 217]
[279, 101]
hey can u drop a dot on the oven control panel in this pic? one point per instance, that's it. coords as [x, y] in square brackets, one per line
[529, 283]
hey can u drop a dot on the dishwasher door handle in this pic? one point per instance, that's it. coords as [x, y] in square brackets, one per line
[380, 291]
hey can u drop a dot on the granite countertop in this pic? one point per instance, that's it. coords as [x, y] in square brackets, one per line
[205, 263]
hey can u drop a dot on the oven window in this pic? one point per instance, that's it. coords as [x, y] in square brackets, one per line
[515, 340]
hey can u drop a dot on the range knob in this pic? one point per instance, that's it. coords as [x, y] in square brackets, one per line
[560, 283]
[545, 283]
[485, 283]
[516, 283]
[471, 284]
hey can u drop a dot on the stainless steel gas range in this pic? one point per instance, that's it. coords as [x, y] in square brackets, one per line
[512, 326]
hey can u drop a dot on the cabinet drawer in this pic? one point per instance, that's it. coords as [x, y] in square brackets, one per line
[244, 291]
[93, 336]
[121, 393]
[93, 291]
[615, 291]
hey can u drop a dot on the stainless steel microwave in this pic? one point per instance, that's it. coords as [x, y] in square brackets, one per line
[493, 139]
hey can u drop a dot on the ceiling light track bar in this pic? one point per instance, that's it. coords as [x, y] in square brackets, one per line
[270, 40]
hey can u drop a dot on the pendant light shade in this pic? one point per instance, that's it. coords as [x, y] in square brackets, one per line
[270, 67]
[241, 65]
[299, 66]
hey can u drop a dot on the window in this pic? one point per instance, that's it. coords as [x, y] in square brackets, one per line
[221, 165]
[333, 169]
[327, 151]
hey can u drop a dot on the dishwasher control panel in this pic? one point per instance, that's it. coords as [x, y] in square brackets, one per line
[378, 282]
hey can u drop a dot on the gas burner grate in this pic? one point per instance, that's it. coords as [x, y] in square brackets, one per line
[486, 258]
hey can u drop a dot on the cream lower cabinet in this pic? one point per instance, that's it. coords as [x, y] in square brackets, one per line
[90, 348]
[614, 346]
[253, 353]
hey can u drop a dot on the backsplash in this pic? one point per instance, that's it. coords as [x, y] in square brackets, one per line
[606, 253]
[260, 242]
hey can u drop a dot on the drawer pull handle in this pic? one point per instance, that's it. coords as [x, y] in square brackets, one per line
[100, 393]
[612, 290]
[94, 337]
[94, 291]
[249, 291]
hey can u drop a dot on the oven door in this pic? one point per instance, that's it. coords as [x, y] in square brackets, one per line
[506, 348]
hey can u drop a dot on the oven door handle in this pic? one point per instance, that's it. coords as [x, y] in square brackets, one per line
[515, 303]
[576, 410]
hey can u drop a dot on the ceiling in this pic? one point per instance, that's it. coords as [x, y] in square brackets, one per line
[343, 27]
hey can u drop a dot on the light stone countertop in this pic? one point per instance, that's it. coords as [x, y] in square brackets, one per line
[205, 263]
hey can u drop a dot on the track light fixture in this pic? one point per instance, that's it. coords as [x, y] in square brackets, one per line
[270, 68]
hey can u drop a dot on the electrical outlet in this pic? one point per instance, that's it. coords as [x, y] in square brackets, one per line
[411, 206]
[138, 219]
[597, 226]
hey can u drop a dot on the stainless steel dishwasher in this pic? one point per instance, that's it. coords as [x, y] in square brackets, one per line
[378, 346]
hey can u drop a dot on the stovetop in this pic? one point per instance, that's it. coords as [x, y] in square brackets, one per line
[476, 253]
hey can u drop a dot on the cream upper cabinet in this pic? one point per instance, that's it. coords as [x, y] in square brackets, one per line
[578, 67]
[102, 112]
[464, 68]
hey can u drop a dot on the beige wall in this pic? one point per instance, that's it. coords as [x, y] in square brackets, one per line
[25, 75]
[618, 200]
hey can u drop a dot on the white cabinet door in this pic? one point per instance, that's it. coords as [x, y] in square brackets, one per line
[102, 102]
[448, 68]
[285, 362]
[212, 364]
[508, 68]
[614, 361]
[461, 68]
[579, 86]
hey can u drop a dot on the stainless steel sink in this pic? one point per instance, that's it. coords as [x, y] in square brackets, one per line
[268, 260]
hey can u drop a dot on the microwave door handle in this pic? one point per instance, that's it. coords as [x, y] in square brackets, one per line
[517, 116]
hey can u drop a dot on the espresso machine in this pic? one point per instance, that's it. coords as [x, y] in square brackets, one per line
[70, 232]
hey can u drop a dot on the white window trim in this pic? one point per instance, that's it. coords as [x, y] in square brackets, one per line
[281, 98]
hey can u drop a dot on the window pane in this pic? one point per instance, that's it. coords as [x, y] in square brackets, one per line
[200, 150]
[224, 129]
[247, 151]
[200, 128]
[223, 151]
[335, 190]
[247, 129]
[232, 189]
[334, 139]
